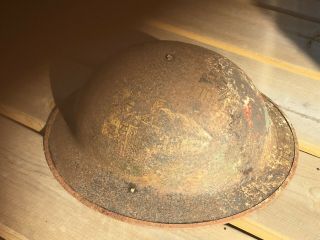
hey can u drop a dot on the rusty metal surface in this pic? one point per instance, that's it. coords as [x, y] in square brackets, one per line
[172, 133]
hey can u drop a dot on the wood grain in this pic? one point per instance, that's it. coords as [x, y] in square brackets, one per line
[296, 93]
[37, 207]
[307, 9]
[34, 205]
[30, 77]
[9, 234]
[21, 117]
[25, 95]
[242, 24]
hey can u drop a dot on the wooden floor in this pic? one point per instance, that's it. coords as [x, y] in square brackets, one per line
[271, 42]
[33, 205]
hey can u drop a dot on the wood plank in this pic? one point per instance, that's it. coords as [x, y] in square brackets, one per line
[306, 9]
[306, 127]
[23, 118]
[27, 80]
[10, 234]
[301, 10]
[25, 95]
[35, 206]
[31, 103]
[248, 27]
[298, 97]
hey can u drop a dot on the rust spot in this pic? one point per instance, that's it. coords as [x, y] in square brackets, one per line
[247, 110]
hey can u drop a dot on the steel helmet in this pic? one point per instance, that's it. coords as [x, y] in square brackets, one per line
[171, 133]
